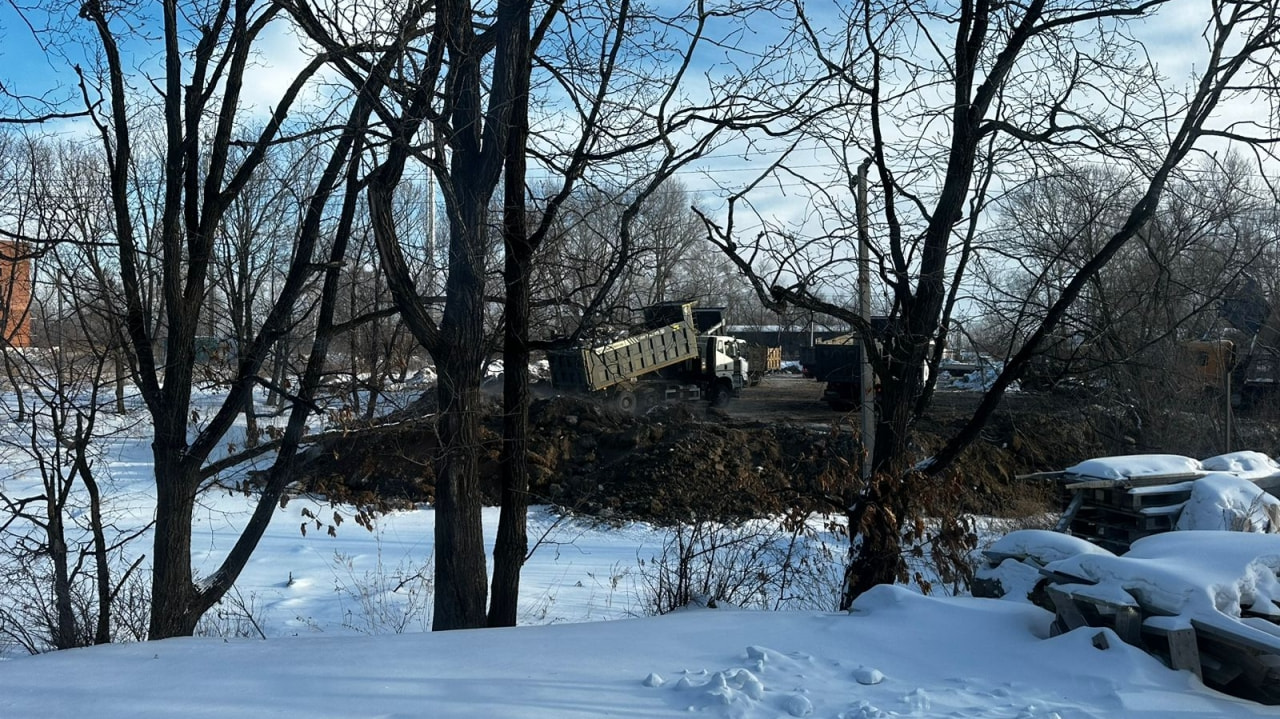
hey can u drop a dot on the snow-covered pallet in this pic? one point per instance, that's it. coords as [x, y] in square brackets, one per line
[1238, 656]
[1119, 500]
[1205, 601]
[1114, 513]
[1118, 528]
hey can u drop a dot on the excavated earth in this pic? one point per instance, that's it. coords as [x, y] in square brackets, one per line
[774, 449]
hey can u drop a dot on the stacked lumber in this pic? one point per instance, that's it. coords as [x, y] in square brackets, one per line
[1116, 501]
[1115, 513]
[1205, 600]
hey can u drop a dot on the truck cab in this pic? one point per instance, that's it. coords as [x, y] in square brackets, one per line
[724, 365]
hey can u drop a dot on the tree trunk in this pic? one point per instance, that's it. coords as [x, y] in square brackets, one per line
[280, 354]
[460, 563]
[15, 381]
[461, 577]
[512, 544]
[513, 541]
[875, 516]
[118, 362]
[63, 632]
[251, 431]
[173, 594]
[102, 565]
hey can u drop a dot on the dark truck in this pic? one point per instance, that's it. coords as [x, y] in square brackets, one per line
[1245, 359]
[668, 361]
[838, 362]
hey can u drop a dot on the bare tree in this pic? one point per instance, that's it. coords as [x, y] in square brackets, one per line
[65, 563]
[953, 108]
[172, 177]
[617, 75]
[668, 258]
[250, 255]
[1158, 290]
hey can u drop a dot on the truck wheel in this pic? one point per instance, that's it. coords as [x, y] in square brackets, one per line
[720, 395]
[625, 402]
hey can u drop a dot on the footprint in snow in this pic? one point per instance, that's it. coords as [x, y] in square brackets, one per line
[865, 710]
[798, 705]
[918, 700]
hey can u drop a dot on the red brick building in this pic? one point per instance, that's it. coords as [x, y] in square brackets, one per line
[15, 294]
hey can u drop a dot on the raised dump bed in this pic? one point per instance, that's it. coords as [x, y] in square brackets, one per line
[671, 361]
[589, 369]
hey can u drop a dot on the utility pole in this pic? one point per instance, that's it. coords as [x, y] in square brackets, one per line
[1226, 382]
[431, 229]
[868, 402]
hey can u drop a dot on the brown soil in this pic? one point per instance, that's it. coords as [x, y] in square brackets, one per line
[775, 448]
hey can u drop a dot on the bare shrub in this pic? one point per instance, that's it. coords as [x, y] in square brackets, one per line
[28, 616]
[131, 606]
[761, 565]
[385, 600]
[236, 616]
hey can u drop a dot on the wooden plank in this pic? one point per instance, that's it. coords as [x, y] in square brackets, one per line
[1041, 475]
[1058, 577]
[1126, 519]
[1167, 483]
[1077, 500]
[1264, 625]
[1234, 633]
[1122, 609]
[1129, 625]
[1244, 665]
[1110, 535]
[1269, 484]
[1163, 510]
[1135, 500]
[1184, 653]
[1108, 598]
[1094, 484]
[1066, 608]
[1264, 608]
[1145, 480]
[1118, 546]
[1119, 513]
[1161, 490]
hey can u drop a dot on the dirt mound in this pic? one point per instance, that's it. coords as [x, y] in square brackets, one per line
[674, 463]
[683, 461]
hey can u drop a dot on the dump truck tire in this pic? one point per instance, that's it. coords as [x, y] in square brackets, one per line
[625, 402]
[720, 394]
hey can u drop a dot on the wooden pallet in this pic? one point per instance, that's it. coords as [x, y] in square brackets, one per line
[1115, 513]
[1116, 529]
[1240, 657]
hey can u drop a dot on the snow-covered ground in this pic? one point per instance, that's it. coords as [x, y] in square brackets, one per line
[345, 615]
[897, 654]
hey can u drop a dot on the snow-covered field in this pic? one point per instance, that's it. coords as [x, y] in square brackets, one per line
[345, 614]
[898, 654]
